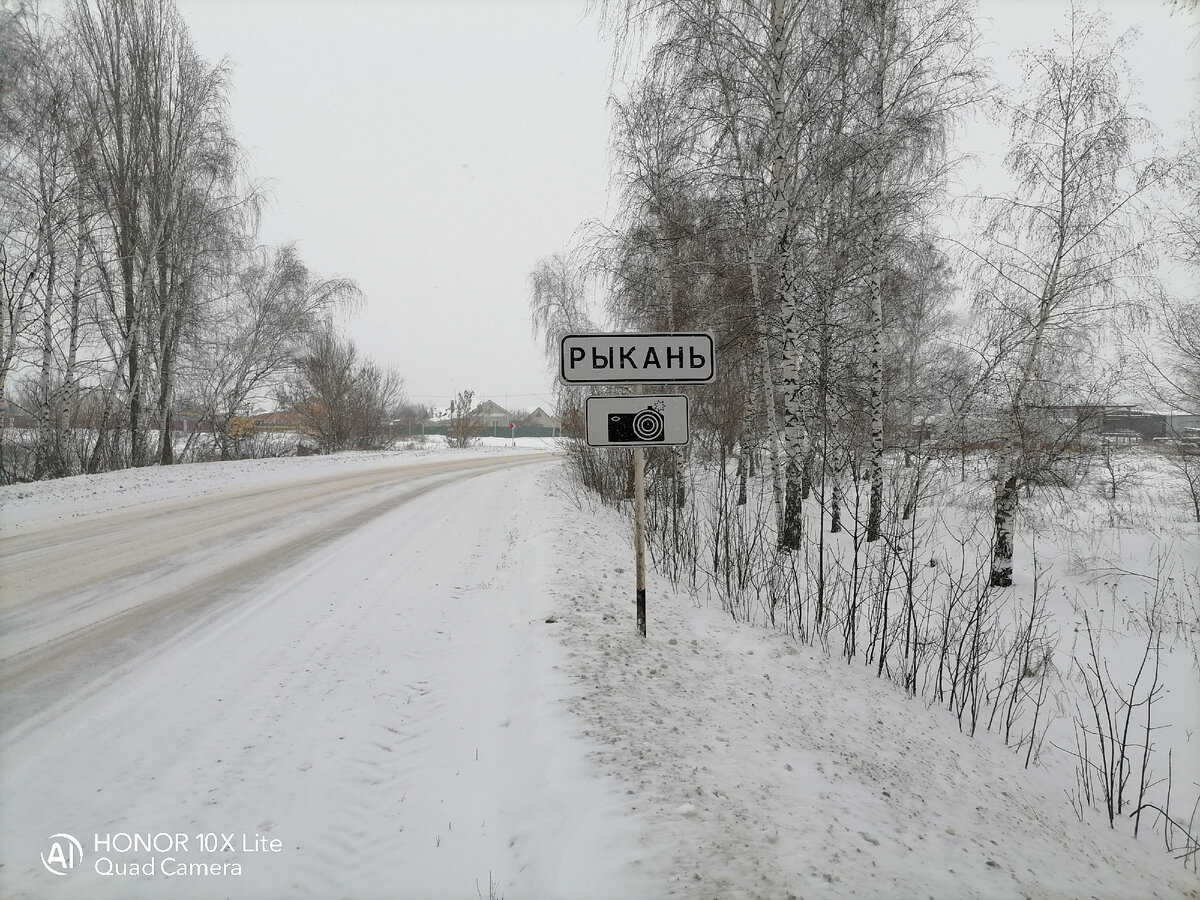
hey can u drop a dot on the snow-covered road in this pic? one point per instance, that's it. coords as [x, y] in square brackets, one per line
[362, 680]
[80, 595]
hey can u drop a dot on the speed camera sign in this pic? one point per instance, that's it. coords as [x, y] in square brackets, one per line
[640, 420]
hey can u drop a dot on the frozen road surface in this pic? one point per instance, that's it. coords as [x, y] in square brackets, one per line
[325, 685]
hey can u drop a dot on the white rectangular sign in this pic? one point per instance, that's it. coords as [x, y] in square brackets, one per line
[637, 358]
[640, 420]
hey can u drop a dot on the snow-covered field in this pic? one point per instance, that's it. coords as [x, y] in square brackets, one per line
[450, 700]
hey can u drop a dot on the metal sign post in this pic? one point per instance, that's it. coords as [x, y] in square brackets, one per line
[639, 529]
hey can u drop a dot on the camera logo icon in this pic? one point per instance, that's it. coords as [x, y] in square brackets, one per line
[640, 427]
[65, 854]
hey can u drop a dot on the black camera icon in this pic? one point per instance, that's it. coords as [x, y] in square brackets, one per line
[639, 427]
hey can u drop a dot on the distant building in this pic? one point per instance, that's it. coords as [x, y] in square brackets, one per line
[541, 419]
[1130, 421]
[489, 415]
[286, 420]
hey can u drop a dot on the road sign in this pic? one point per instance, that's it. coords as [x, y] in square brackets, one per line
[643, 420]
[682, 358]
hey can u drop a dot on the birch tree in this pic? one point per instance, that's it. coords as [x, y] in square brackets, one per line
[16, 258]
[1175, 359]
[344, 399]
[920, 77]
[558, 306]
[764, 60]
[251, 336]
[162, 165]
[1062, 251]
[45, 214]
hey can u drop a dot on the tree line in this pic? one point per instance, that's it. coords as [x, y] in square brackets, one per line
[785, 173]
[134, 291]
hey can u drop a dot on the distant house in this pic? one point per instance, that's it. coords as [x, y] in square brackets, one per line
[493, 420]
[489, 414]
[1183, 425]
[539, 418]
[1126, 423]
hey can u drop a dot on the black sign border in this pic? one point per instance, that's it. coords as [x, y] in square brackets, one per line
[712, 355]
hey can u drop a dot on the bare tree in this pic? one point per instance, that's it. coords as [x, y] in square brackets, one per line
[126, 275]
[251, 337]
[815, 129]
[558, 302]
[464, 427]
[558, 306]
[162, 166]
[1172, 358]
[1061, 250]
[345, 401]
[47, 211]
[21, 248]
[921, 74]
[1171, 355]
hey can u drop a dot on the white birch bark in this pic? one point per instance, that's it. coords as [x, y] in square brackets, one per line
[875, 511]
[795, 434]
[44, 465]
[775, 449]
[69, 387]
[1010, 462]
[767, 375]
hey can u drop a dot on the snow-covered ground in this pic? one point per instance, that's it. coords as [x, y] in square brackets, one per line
[450, 700]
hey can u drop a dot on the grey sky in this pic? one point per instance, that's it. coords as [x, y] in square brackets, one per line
[430, 150]
[433, 150]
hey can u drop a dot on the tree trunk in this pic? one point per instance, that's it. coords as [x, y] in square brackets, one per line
[1002, 547]
[1012, 456]
[44, 466]
[67, 399]
[795, 435]
[875, 512]
[835, 499]
[746, 440]
[779, 214]
[778, 482]
[133, 372]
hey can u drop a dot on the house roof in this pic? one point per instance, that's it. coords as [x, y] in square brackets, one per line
[489, 408]
[539, 415]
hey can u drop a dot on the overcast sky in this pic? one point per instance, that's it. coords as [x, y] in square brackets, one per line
[433, 150]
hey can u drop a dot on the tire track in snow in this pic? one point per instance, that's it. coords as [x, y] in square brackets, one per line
[170, 566]
[432, 762]
[345, 687]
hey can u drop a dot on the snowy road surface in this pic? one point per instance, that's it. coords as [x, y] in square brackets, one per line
[354, 668]
[74, 596]
[426, 683]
